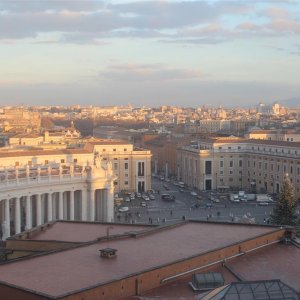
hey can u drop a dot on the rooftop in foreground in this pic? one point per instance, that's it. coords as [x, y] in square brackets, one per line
[273, 262]
[60, 273]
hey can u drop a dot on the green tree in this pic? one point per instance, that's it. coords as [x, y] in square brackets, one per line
[285, 211]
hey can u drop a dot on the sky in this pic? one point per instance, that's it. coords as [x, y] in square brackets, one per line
[151, 53]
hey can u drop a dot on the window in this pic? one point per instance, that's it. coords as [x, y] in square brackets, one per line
[115, 166]
[46, 162]
[208, 167]
[141, 169]
[115, 182]
[114, 149]
[125, 149]
[240, 163]
[126, 166]
[231, 163]
[75, 160]
[126, 182]
[17, 163]
[221, 164]
[62, 161]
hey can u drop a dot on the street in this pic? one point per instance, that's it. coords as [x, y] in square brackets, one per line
[187, 206]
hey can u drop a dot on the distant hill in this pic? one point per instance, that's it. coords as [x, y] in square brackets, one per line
[293, 102]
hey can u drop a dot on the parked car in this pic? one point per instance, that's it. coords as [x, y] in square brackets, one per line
[152, 197]
[194, 194]
[124, 209]
[127, 199]
[138, 195]
[143, 204]
[167, 197]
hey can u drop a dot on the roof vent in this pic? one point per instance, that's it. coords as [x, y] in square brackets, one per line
[108, 252]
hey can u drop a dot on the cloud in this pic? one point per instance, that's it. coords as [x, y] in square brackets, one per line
[88, 21]
[148, 72]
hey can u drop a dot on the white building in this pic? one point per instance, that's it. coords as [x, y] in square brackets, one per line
[39, 186]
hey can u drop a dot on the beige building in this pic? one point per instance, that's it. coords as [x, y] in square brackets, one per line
[21, 118]
[131, 165]
[275, 135]
[39, 186]
[240, 164]
[26, 139]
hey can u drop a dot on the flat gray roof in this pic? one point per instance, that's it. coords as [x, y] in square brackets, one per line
[79, 268]
[83, 231]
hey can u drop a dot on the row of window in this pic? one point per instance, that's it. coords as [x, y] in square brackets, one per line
[104, 150]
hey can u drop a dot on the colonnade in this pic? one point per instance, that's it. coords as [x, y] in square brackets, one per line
[22, 213]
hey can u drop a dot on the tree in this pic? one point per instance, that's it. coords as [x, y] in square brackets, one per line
[285, 211]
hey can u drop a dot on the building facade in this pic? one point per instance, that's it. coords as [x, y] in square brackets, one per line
[236, 163]
[39, 186]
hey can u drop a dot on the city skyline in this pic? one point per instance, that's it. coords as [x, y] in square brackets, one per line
[185, 53]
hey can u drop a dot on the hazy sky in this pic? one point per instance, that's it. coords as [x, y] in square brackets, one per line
[185, 53]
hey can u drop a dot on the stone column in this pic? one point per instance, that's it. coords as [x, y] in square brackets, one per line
[84, 205]
[28, 213]
[50, 210]
[17, 216]
[92, 205]
[60, 206]
[38, 210]
[72, 205]
[7, 219]
[109, 199]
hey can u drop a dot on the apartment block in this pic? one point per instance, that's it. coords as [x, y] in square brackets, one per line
[235, 163]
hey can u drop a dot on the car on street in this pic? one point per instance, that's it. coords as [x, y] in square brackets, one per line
[124, 209]
[167, 197]
[194, 194]
[208, 205]
[127, 199]
[181, 190]
[143, 204]
[152, 197]
[138, 195]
